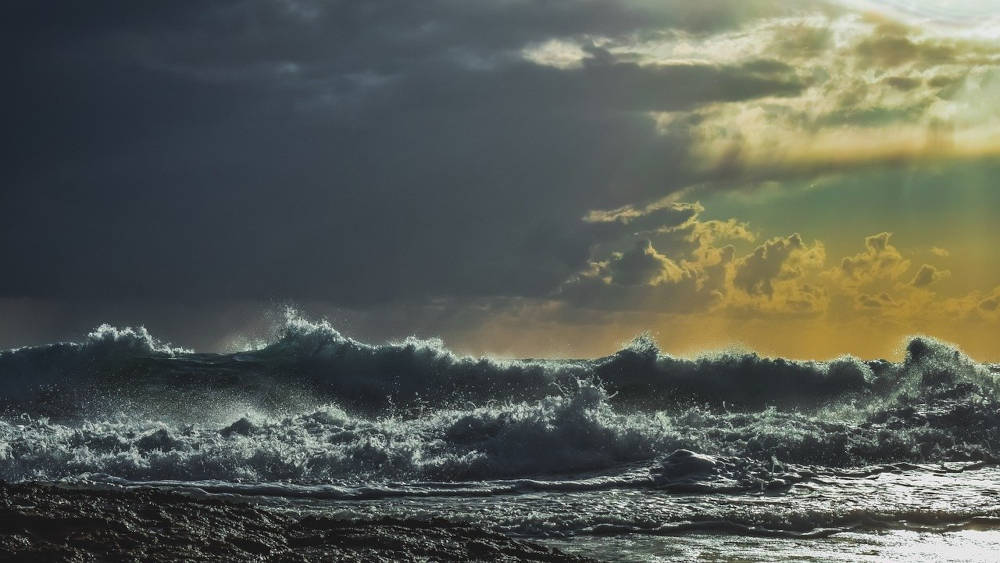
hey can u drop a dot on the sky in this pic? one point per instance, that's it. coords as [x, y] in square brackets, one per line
[523, 178]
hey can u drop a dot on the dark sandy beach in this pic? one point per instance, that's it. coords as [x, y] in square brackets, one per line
[41, 522]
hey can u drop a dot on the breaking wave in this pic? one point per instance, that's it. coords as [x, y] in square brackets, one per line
[315, 407]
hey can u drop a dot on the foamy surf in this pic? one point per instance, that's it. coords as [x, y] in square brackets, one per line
[639, 443]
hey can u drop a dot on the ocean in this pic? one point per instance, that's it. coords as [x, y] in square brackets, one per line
[637, 456]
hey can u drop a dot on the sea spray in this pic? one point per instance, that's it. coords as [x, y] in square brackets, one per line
[317, 407]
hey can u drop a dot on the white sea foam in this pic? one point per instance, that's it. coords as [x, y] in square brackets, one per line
[322, 408]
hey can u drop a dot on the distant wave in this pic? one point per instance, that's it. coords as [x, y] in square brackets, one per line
[316, 407]
[314, 360]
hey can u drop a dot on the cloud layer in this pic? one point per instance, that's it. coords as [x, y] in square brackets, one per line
[381, 154]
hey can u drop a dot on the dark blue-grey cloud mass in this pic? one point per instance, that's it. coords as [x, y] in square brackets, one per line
[355, 152]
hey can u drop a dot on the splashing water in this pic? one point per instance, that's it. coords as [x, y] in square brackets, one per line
[595, 447]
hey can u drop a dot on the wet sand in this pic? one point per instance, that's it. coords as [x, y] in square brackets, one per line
[41, 522]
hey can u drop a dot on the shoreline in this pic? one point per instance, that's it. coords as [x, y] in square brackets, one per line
[49, 522]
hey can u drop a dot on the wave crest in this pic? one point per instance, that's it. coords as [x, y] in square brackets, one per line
[313, 362]
[416, 408]
[137, 340]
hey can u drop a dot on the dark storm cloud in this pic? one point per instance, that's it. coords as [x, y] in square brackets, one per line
[990, 304]
[757, 272]
[643, 279]
[890, 46]
[880, 301]
[642, 265]
[928, 275]
[351, 151]
[902, 83]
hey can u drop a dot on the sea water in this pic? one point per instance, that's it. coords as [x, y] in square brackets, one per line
[636, 456]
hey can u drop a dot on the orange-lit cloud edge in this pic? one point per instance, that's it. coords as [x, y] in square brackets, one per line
[879, 93]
